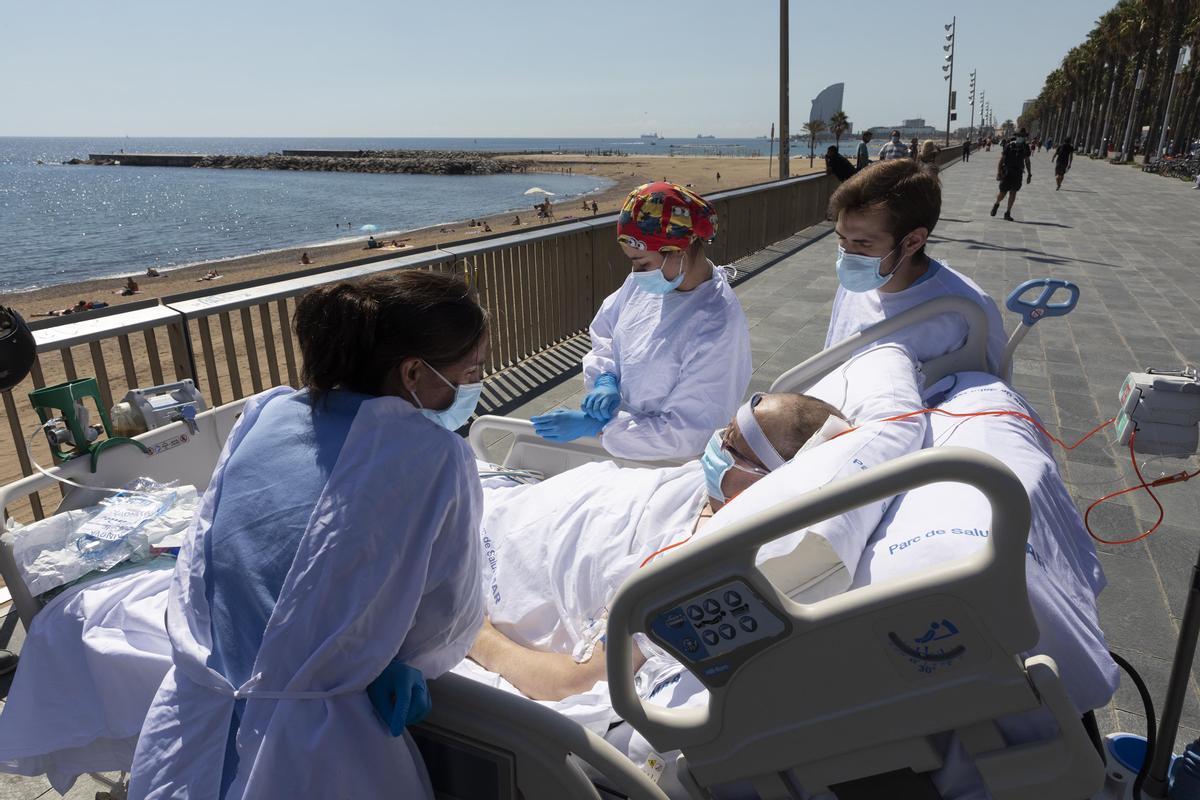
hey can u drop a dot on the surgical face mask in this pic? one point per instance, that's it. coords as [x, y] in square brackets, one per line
[717, 461]
[896, 139]
[861, 273]
[466, 397]
[652, 281]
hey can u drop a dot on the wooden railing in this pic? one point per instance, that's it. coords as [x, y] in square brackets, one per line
[541, 287]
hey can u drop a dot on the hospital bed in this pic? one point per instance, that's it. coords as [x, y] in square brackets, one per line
[483, 742]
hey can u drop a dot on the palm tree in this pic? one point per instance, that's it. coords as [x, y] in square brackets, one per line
[812, 128]
[839, 123]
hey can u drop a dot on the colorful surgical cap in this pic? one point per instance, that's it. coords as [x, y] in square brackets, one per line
[665, 217]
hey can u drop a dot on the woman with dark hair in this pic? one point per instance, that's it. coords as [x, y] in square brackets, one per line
[334, 561]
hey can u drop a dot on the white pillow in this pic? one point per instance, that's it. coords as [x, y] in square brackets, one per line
[879, 383]
[936, 524]
[862, 387]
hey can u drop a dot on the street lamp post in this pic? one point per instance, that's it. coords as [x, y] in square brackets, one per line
[1180, 63]
[949, 70]
[1127, 147]
[1108, 115]
[784, 154]
[971, 130]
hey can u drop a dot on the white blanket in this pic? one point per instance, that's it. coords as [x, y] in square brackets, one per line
[90, 665]
[1063, 572]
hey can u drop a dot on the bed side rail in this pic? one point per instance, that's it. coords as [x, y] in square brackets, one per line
[853, 685]
[540, 741]
[527, 450]
[972, 356]
[177, 454]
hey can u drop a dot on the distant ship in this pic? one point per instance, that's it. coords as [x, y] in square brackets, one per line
[702, 136]
[652, 138]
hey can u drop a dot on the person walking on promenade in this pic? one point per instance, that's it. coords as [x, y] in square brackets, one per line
[1014, 155]
[914, 149]
[864, 155]
[966, 150]
[893, 149]
[1064, 156]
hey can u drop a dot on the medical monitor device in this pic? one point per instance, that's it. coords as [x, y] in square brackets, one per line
[1163, 408]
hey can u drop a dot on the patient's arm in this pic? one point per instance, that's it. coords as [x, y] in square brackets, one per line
[539, 675]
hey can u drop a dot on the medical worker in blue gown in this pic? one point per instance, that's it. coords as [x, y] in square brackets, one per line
[670, 357]
[336, 549]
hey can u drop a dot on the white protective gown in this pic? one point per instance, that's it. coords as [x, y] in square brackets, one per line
[388, 568]
[856, 311]
[683, 360]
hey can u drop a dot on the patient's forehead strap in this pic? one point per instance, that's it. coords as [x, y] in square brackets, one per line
[754, 436]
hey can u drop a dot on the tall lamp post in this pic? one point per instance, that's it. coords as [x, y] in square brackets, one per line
[1181, 62]
[784, 162]
[948, 68]
[971, 131]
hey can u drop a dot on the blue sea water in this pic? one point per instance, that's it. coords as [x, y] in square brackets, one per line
[60, 224]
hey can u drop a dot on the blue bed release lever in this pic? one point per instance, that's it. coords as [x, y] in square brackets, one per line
[1032, 311]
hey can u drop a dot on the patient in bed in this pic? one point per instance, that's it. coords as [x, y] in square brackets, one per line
[557, 552]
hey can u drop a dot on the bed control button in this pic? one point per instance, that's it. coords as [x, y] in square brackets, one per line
[695, 612]
[733, 599]
[675, 619]
[690, 645]
[749, 624]
[727, 631]
[712, 606]
[710, 637]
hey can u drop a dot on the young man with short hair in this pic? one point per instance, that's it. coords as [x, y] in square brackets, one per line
[884, 216]
[1014, 155]
[864, 155]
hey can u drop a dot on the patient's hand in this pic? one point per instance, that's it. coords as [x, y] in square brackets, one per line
[538, 675]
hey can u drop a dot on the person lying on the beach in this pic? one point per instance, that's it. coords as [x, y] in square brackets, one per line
[211, 275]
[82, 305]
[130, 287]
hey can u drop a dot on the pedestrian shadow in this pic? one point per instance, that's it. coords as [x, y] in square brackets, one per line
[1079, 191]
[1040, 256]
[952, 219]
[1044, 224]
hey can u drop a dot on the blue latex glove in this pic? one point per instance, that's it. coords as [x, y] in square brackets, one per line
[602, 401]
[400, 697]
[566, 426]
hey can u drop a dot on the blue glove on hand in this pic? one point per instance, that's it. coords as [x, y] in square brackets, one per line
[602, 401]
[566, 426]
[400, 697]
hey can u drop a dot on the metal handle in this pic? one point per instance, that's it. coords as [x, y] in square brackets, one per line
[732, 551]
[1032, 311]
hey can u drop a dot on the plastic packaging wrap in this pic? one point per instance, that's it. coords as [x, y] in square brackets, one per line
[67, 546]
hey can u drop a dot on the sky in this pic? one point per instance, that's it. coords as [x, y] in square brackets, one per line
[516, 68]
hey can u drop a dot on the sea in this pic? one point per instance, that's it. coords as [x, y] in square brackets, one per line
[61, 224]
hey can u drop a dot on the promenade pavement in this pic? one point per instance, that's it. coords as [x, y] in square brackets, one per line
[1131, 242]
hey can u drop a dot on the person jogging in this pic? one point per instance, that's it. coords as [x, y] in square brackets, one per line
[1013, 157]
[1064, 155]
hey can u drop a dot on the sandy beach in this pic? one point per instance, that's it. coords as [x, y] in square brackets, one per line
[625, 171]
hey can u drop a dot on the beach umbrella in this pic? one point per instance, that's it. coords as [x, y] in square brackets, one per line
[539, 190]
[369, 228]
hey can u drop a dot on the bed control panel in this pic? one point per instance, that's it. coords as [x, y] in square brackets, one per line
[715, 631]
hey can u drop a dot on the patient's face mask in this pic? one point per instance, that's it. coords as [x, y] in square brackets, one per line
[861, 273]
[654, 282]
[717, 460]
[466, 397]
